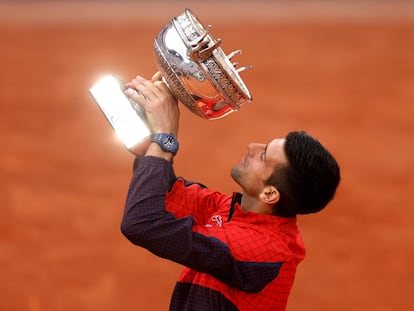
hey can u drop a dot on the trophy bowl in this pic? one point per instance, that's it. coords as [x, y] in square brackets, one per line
[197, 71]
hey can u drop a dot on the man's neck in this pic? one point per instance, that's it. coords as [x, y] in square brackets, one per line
[253, 204]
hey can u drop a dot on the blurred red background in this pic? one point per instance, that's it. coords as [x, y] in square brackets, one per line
[343, 72]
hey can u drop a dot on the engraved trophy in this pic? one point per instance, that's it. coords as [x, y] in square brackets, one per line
[195, 69]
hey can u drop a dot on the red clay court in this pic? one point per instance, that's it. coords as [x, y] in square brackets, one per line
[344, 72]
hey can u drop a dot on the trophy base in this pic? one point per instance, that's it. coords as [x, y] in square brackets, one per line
[126, 117]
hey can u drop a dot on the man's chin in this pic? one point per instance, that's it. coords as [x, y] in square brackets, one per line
[235, 175]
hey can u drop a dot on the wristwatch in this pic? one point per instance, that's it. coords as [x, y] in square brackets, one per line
[167, 142]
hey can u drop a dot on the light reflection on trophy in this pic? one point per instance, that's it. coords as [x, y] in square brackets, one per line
[197, 72]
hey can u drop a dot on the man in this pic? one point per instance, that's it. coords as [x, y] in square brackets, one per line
[240, 251]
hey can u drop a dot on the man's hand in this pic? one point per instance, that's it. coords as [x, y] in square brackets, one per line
[160, 106]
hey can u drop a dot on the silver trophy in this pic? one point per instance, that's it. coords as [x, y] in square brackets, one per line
[195, 69]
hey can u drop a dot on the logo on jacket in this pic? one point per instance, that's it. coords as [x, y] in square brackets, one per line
[218, 221]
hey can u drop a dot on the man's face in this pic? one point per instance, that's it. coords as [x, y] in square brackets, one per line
[258, 165]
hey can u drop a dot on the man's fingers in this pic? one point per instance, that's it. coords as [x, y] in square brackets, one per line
[136, 95]
[145, 91]
[145, 88]
[156, 77]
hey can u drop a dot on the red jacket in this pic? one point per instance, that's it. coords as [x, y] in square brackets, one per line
[234, 260]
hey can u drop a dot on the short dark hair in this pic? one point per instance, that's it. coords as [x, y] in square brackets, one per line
[308, 182]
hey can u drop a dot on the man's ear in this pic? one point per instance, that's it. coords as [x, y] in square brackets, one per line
[270, 195]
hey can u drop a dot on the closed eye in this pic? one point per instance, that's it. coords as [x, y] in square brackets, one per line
[263, 154]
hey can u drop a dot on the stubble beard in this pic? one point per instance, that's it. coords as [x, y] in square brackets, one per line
[235, 174]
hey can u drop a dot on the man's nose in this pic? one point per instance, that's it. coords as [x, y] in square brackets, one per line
[252, 148]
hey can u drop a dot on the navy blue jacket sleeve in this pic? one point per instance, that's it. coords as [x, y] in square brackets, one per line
[146, 223]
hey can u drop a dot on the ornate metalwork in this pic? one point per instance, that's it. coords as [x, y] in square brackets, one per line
[196, 69]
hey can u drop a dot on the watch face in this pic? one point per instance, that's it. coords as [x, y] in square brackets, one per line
[167, 142]
[170, 142]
